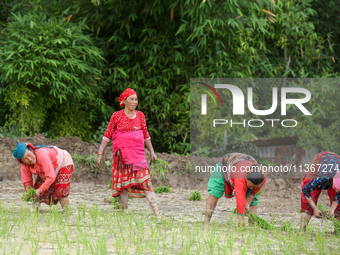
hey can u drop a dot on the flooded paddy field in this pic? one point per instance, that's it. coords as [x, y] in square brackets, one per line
[94, 227]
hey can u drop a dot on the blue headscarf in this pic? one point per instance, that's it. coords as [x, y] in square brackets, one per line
[20, 150]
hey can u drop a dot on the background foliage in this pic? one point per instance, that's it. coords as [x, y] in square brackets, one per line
[64, 63]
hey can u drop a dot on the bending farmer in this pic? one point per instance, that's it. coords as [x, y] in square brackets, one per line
[323, 173]
[53, 167]
[239, 175]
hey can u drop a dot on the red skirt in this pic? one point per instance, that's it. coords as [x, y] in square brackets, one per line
[60, 188]
[136, 182]
[305, 207]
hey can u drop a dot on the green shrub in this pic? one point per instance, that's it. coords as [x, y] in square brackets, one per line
[98, 135]
[90, 160]
[12, 131]
[50, 74]
[160, 168]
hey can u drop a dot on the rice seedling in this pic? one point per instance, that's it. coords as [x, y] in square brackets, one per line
[98, 229]
[28, 195]
[162, 189]
[325, 214]
[262, 223]
[287, 226]
[195, 196]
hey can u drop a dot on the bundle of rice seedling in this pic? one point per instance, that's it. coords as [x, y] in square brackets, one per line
[195, 196]
[262, 223]
[28, 195]
[163, 189]
[322, 208]
[324, 211]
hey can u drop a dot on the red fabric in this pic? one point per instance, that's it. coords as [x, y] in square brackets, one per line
[314, 169]
[119, 121]
[31, 146]
[59, 189]
[238, 177]
[44, 168]
[305, 207]
[136, 182]
[128, 92]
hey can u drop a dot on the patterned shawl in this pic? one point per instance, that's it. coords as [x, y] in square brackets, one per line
[232, 158]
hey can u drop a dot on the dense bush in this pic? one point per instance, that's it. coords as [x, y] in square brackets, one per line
[50, 74]
[53, 76]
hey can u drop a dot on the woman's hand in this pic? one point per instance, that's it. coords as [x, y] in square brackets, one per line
[37, 193]
[332, 209]
[317, 212]
[101, 151]
[331, 212]
[247, 208]
[153, 157]
[100, 159]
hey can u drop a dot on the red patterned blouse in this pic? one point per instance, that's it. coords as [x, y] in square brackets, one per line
[119, 121]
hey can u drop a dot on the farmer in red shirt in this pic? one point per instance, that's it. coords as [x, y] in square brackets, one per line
[130, 171]
[239, 175]
[53, 167]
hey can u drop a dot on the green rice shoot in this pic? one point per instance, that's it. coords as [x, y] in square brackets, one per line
[28, 195]
[162, 189]
[334, 220]
[262, 223]
[195, 196]
[95, 228]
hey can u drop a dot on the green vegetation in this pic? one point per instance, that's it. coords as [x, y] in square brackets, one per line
[262, 223]
[93, 229]
[90, 160]
[162, 189]
[334, 220]
[63, 64]
[195, 196]
[50, 74]
[159, 167]
[28, 195]
[265, 162]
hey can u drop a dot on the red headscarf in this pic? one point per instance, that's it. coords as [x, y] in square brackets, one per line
[128, 92]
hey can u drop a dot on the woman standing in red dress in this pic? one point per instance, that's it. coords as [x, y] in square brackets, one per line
[130, 170]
